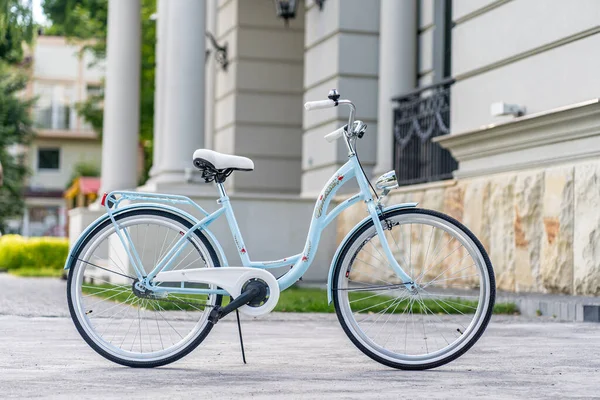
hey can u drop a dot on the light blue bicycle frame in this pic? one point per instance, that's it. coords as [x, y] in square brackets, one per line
[301, 262]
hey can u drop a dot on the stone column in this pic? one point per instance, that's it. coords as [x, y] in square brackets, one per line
[180, 88]
[341, 51]
[397, 70]
[159, 82]
[211, 76]
[258, 99]
[122, 96]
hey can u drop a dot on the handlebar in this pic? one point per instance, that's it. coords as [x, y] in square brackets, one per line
[342, 132]
[335, 135]
[319, 105]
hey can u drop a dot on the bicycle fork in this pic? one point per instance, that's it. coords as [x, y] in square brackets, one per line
[375, 213]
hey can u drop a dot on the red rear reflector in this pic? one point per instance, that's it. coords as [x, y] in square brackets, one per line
[103, 198]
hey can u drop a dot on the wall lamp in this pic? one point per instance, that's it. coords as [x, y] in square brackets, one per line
[220, 52]
[287, 9]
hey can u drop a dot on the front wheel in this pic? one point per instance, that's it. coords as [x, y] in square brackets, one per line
[431, 323]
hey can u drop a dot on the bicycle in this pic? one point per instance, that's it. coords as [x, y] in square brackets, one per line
[412, 288]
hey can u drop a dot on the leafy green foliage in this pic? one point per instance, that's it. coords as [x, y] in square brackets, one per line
[147, 83]
[31, 254]
[92, 111]
[15, 130]
[80, 19]
[16, 28]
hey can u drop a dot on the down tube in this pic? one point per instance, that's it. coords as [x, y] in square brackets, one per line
[318, 223]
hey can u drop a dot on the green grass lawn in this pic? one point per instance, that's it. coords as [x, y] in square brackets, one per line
[301, 299]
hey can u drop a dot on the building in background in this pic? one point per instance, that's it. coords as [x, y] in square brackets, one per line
[486, 109]
[61, 78]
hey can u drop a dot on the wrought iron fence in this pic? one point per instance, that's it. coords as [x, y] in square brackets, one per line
[419, 116]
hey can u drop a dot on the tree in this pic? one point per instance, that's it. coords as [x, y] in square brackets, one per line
[15, 131]
[87, 20]
[79, 19]
[16, 28]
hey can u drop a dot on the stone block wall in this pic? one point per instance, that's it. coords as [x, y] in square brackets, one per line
[541, 227]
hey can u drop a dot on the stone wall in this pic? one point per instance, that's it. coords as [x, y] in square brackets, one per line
[541, 227]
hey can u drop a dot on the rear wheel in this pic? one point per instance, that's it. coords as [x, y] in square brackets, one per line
[422, 327]
[118, 319]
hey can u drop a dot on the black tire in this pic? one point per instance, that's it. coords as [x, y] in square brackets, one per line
[72, 268]
[398, 365]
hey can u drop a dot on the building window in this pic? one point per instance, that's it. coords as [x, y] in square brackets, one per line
[419, 117]
[55, 106]
[48, 158]
[94, 90]
[424, 113]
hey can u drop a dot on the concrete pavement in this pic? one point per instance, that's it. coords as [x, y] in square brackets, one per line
[289, 356]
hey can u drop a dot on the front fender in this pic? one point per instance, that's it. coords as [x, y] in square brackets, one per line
[347, 238]
[154, 206]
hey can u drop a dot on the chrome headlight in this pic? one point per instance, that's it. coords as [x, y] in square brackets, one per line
[387, 181]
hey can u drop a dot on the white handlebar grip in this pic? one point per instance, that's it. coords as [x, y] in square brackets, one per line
[317, 105]
[335, 135]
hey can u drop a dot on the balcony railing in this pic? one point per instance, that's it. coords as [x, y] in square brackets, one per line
[54, 118]
[419, 116]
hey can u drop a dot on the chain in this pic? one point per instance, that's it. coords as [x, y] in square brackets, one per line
[193, 304]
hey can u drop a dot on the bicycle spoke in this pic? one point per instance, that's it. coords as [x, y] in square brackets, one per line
[397, 320]
[119, 257]
[412, 324]
[370, 276]
[452, 252]
[108, 270]
[114, 315]
[452, 274]
[133, 322]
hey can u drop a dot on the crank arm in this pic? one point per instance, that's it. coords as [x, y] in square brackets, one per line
[217, 313]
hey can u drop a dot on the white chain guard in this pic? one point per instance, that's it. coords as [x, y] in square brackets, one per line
[232, 279]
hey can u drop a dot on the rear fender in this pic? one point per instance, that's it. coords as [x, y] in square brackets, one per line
[151, 206]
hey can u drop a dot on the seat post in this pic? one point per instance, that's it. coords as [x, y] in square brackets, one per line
[222, 192]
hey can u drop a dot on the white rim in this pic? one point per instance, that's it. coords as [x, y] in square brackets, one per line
[159, 318]
[354, 319]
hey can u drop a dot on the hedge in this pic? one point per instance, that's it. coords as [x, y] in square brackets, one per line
[18, 252]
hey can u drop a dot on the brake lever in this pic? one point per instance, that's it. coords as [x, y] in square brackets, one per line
[359, 129]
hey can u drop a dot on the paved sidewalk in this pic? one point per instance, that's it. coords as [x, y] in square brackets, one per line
[33, 297]
[290, 356]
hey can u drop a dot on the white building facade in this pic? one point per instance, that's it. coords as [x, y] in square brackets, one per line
[61, 77]
[525, 184]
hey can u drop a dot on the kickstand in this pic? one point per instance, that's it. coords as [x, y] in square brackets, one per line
[237, 313]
